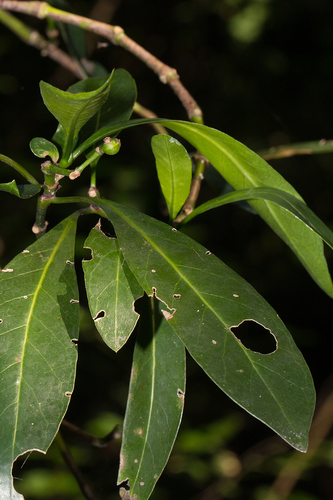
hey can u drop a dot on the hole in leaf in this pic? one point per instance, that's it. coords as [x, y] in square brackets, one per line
[180, 393]
[99, 315]
[255, 337]
[87, 254]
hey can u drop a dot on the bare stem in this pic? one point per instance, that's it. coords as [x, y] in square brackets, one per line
[200, 165]
[117, 36]
[30, 178]
[94, 441]
[46, 48]
[298, 463]
[68, 458]
[147, 113]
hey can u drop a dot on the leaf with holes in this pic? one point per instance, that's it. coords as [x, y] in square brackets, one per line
[242, 168]
[174, 170]
[39, 318]
[203, 300]
[155, 402]
[111, 289]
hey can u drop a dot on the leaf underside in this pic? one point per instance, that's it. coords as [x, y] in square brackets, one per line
[203, 299]
[38, 319]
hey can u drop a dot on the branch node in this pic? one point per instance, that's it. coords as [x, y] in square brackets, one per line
[118, 34]
[36, 229]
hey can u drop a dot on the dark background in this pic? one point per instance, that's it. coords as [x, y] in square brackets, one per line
[262, 71]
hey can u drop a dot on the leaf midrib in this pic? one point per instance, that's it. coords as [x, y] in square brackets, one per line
[32, 307]
[130, 223]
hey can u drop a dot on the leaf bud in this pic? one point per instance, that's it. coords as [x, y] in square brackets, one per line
[110, 146]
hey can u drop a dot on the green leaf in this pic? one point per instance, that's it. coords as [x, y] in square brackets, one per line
[39, 317]
[73, 110]
[285, 200]
[174, 170]
[22, 191]
[111, 289]
[118, 106]
[42, 148]
[155, 402]
[203, 299]
[243, 168]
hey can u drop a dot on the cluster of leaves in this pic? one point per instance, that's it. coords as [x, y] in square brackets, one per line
[192, 299]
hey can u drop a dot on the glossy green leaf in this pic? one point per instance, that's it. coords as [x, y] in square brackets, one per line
[243, 168]
[39, 318]
[119, 105]
[294, 205]
[174, 170]
[42, 148]
[111, 289]
[155, 402]
[203, 299]
[73, 110]
[23, 191]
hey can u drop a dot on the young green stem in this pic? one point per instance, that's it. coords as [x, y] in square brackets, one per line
[41, 224]
[30, 178]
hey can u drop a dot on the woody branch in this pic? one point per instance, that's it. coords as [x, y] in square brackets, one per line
[117, 36]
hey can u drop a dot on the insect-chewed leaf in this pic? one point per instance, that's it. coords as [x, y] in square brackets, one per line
[205, 301]
[155, 402]
[39, 317]
[111, 289]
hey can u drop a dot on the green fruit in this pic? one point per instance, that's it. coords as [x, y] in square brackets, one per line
[110, 146]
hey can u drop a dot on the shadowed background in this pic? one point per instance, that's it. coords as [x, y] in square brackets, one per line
[262, 72]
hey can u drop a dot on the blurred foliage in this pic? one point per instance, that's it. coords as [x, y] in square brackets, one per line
[262, 71]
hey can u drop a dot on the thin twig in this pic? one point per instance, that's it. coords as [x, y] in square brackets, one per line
[117, 36]
[302, 148]
[147, 113]
[200, 165]
[68, 458]
[46, 48]
[297, 464]
[94, 441]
